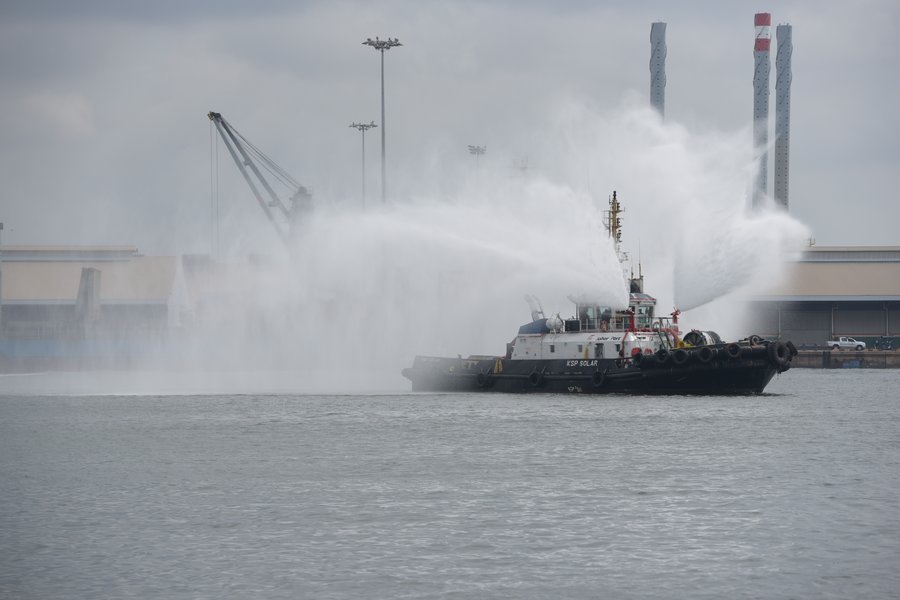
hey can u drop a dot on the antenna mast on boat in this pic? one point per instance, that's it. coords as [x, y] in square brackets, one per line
[614, 229]
[613, 223]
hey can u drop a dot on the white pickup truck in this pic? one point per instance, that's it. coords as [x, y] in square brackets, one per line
[845, 343]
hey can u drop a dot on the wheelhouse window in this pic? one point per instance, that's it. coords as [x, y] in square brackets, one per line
[592, 316]
[644, 316]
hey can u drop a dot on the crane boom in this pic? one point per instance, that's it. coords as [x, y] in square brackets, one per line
[243, 153]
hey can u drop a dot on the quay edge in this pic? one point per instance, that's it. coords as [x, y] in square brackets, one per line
[846, 359]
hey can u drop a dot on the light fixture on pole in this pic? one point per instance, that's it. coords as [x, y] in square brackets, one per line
[381, 46]
[363, 127]
[477, 151]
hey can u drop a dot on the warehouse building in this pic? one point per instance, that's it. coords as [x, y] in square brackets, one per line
[834, 291]
[66, 306]
[111, 306]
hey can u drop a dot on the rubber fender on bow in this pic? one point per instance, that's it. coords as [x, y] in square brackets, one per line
[536, 378]
[779, 355]
[662, 356]
[598, 378]
[733, 350]
[705, 354]
[680, 356]
[482, 379]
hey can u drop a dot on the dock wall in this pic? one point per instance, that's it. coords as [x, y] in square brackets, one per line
[846, 359]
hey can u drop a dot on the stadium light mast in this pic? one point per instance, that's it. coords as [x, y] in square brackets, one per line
[477, 151]
[1, 282]
[363, 127]
[381, 46]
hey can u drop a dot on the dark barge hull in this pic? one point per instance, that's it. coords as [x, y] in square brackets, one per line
[696, 372]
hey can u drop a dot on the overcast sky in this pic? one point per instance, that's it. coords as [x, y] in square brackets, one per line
[105, 137]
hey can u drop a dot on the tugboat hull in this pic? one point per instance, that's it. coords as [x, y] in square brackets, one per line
[710, 370]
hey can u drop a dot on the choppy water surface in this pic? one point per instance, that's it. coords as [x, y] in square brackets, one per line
[788, 495]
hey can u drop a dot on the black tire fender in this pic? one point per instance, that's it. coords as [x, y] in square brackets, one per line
[705, 354]
[779, 354]
[598, 378]
[482, 379]
[680, 357]
[662, 356]
[536, 378]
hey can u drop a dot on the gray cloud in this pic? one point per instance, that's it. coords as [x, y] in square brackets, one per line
[106, 140]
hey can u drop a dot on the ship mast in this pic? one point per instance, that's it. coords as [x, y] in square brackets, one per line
[614, 229]
[613, 223]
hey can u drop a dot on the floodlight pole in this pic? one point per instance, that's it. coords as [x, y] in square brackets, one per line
[381, 46]
[1, 281]
[363, 127]
[477, 151]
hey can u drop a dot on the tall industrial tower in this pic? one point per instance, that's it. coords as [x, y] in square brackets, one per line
[658, 67]
[763, 22]
[782, 113]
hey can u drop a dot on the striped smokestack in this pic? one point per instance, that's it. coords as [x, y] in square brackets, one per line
[783, 113]
[763, 22]
[658, 67]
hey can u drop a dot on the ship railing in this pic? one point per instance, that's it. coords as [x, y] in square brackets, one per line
[667, 332]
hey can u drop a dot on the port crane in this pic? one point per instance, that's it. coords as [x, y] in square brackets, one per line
[251, 162]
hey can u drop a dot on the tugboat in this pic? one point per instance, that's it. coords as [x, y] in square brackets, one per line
[604, 351]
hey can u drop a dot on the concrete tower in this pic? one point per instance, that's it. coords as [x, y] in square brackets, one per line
[658, 67]
[763, 22]
[782, 113]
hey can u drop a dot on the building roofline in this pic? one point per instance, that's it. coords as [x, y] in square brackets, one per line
[851, 248]
[67, 253]
[842, 298]
[849, 254]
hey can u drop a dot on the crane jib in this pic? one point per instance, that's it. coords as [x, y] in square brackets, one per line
[250, 161]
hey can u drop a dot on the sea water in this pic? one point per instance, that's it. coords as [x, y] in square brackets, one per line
[792, 494]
